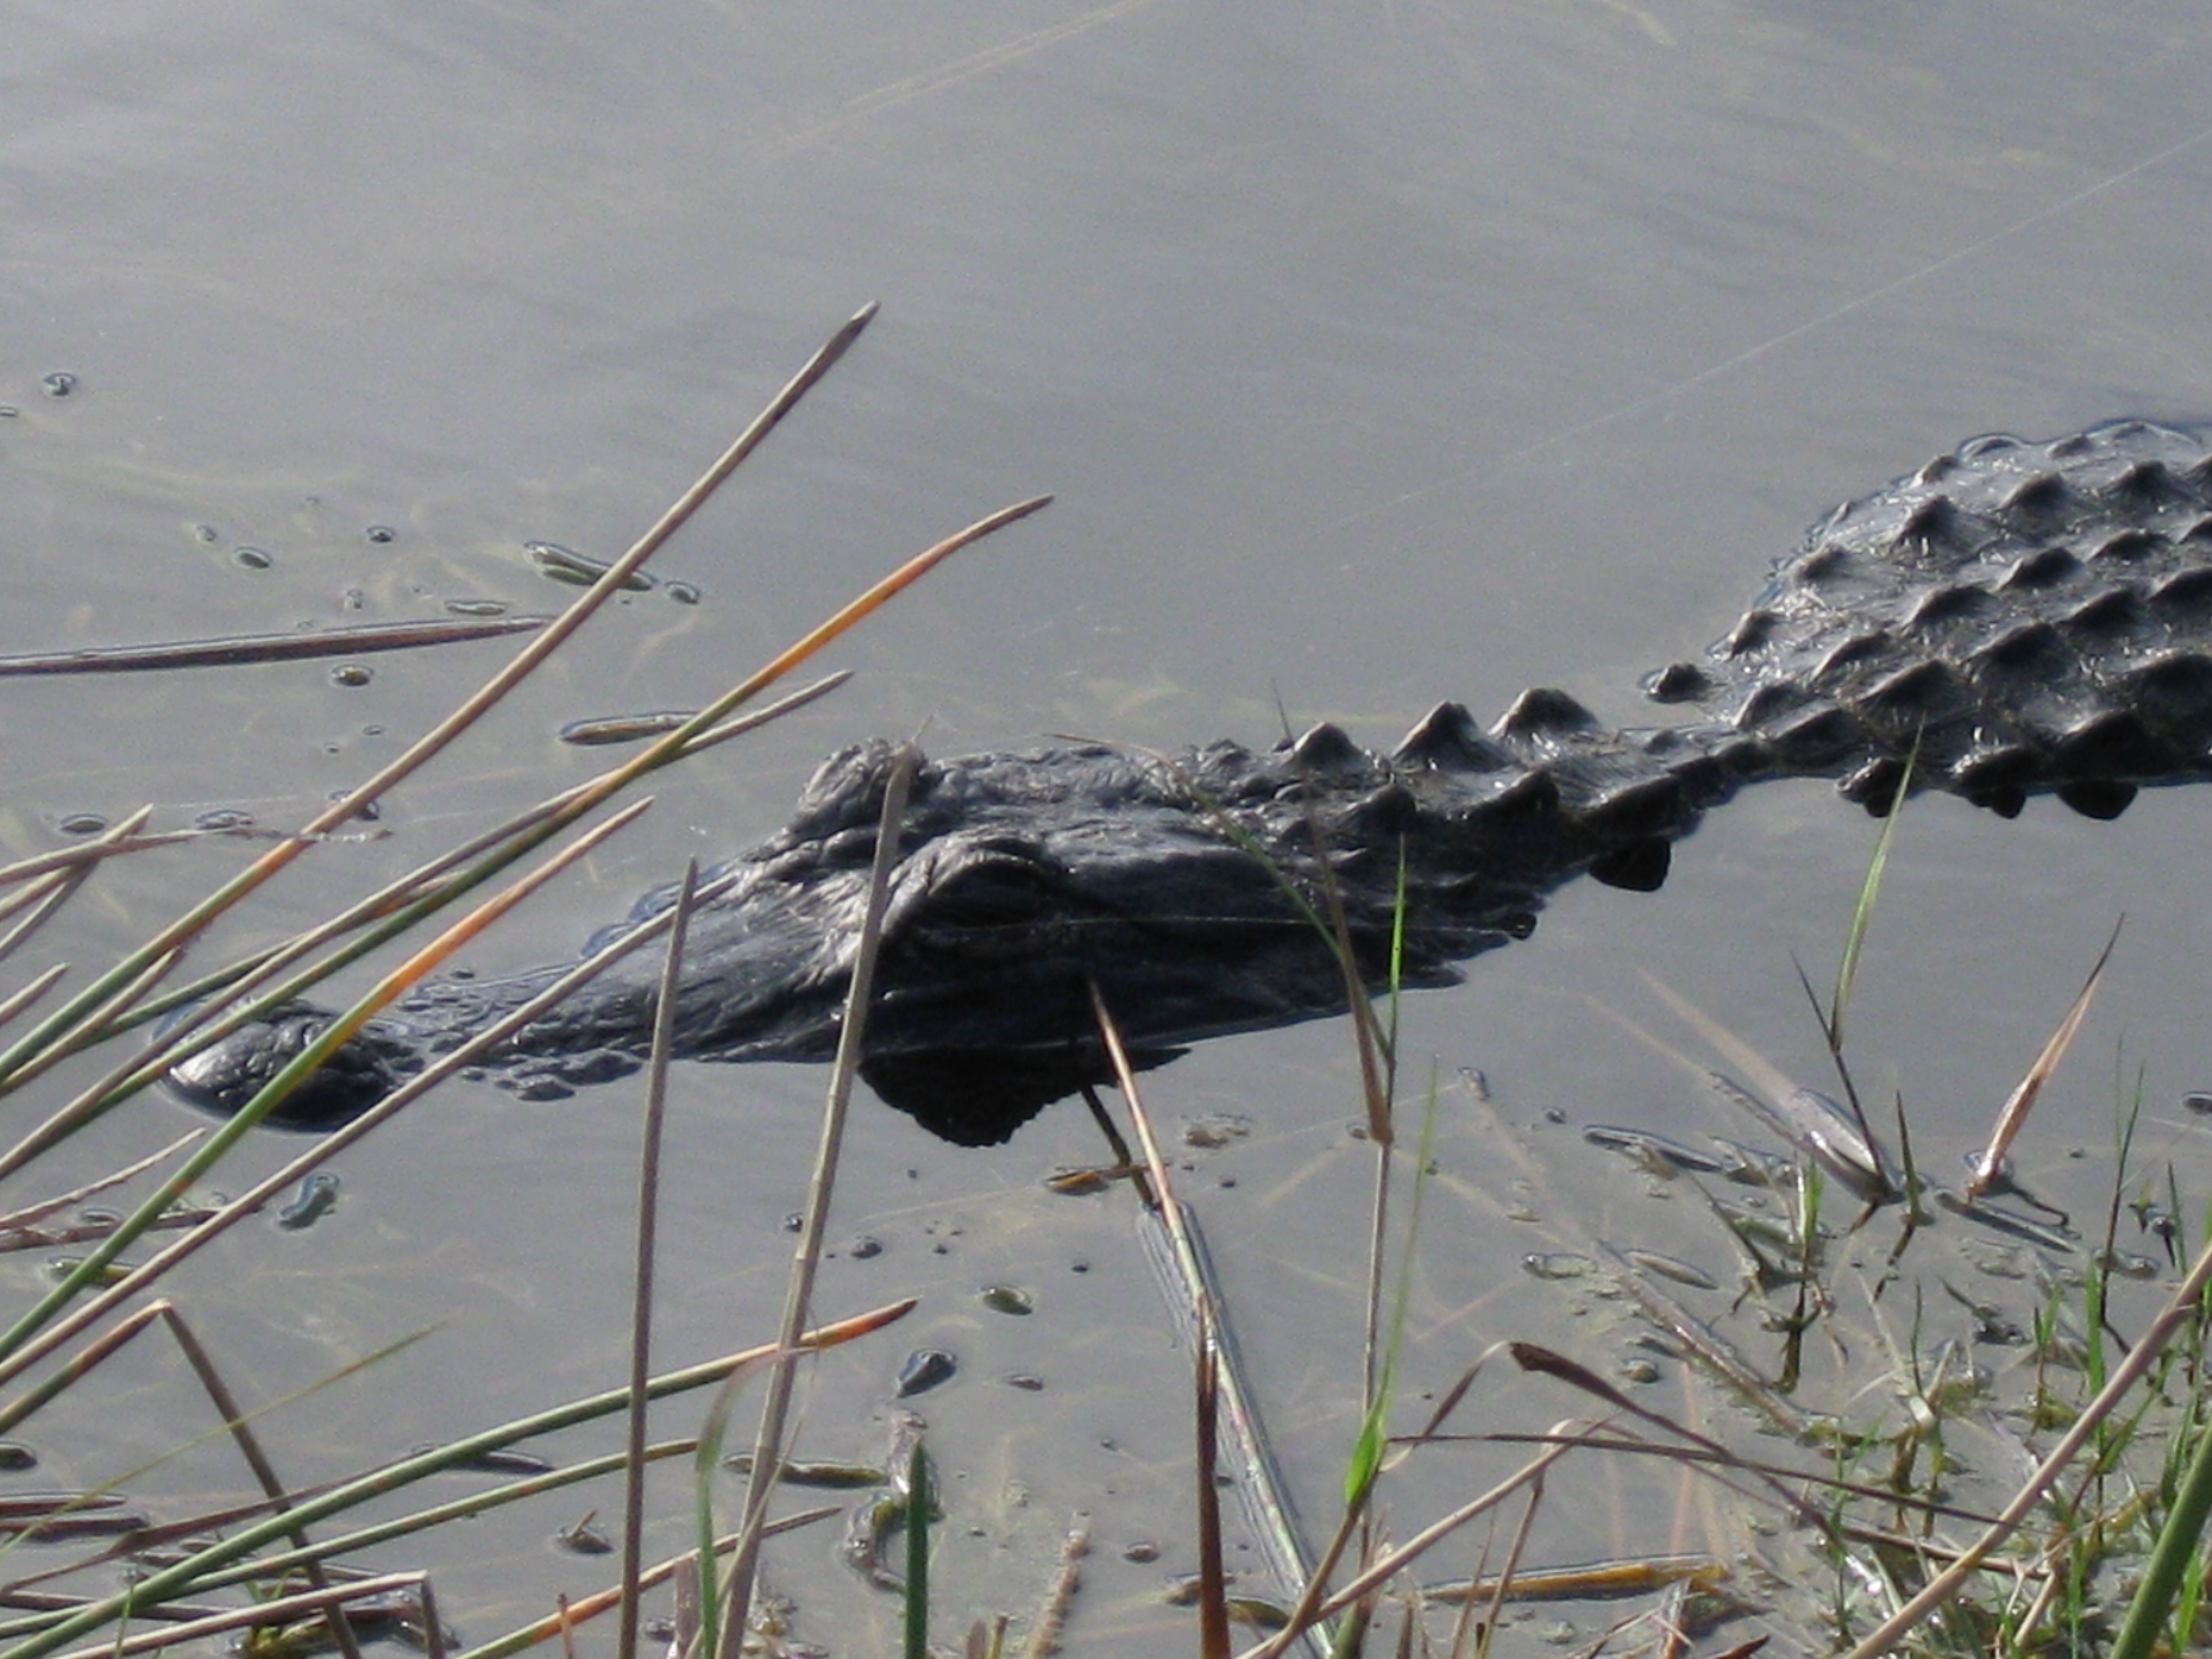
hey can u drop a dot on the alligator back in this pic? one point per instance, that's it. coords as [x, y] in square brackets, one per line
[2014, 617]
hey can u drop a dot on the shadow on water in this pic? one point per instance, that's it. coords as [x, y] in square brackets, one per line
[1375, 358]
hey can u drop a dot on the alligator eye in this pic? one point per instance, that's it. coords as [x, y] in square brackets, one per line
[990, 889]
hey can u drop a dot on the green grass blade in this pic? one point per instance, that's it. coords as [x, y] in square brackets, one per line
[1847, 971]
[917, 1552]
[2180, 1541]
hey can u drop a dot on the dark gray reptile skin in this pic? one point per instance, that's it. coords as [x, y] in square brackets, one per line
[2013, 619]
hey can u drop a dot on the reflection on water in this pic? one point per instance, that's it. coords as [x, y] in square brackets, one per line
[1375, 356]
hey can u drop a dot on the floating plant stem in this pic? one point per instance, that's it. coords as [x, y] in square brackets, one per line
[352, 641]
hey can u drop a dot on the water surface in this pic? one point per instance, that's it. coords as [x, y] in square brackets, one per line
[1375, 356]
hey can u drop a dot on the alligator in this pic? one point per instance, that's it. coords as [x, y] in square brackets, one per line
[2015, 618]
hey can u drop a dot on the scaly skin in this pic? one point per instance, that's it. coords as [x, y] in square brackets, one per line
[2015, 619]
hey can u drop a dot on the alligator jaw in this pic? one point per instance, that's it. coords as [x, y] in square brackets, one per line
[224, 1077]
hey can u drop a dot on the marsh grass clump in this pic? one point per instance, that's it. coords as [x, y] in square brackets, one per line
[1923, 1419]
[1994, 1414]
[254, 1573]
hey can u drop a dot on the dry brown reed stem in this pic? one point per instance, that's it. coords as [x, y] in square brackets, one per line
[1618, 1442]
[326, 1600]
[1222, 1382]
[649, 1211]
[348, 1494]
[1384, 1569]
[35, 1602]
[1547, 1362]
[441, 736]
[736, 1600]
[238, 1421]
[1213, 1579]
[246, 1203]
[2180, 1309]
[2012, 1117]
[140, 1543]
[361, 639]
[434, 1626]
[1515, 1550]
[30, 1214]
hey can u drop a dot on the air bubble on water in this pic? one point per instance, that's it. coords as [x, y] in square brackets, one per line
[351, 673]
[367, 812]
[253, 558]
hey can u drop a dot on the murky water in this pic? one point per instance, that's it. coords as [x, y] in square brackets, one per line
[1375, 356]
